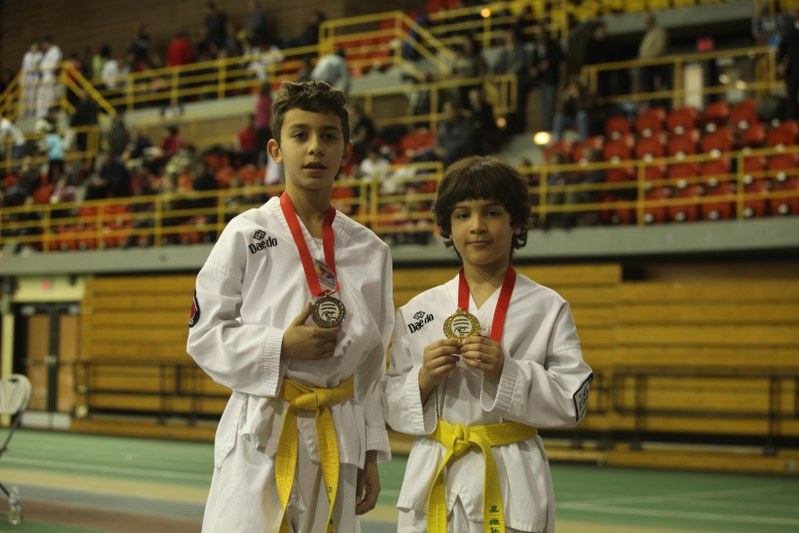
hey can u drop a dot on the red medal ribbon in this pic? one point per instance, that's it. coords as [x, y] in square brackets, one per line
[502, 304]
[328, 243]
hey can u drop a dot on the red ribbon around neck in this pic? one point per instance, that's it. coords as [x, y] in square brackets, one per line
[328, 243]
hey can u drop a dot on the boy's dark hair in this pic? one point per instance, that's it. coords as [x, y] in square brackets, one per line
[313, 96]
[478, 177]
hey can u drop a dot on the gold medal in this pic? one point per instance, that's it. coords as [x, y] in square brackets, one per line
[328, 312]
[460, 325]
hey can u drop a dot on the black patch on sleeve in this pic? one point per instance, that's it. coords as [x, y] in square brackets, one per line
[194, 314]
[580, 398]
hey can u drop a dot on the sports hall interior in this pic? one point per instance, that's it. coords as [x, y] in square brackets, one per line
[676, 242]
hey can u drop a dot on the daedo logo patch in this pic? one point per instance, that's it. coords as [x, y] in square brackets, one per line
[194, 313]
[421, 318]
[262, 242]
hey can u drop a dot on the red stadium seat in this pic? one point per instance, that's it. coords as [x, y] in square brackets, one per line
[721, 210]
[717, 142]
[563, 148]
[715, 115]
[649, 148]
[593, 143]
[650, 121]
[789, 204]
[716, 171]
[754, 165]
[616, 215]
[757, 206]
[617, 126]
[680, 173]
[681, 120]
[656, 214]
[616, 152]
[783, 167]
[784, 134]
[683, 144]
[685, 212]
[754, 135]
[744, 115]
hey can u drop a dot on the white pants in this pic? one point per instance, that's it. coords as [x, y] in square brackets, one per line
[243, 495]
[457, 522]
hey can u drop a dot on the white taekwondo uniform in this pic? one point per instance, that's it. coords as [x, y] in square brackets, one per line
[544, 383]
[250, 289]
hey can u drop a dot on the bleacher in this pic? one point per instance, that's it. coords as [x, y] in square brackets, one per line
[702, 360]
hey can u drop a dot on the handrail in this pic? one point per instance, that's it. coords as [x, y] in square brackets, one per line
[387, 204]
[772, 380]
[765, 81]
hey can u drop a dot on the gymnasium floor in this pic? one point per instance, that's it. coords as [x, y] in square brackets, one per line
[78, 483]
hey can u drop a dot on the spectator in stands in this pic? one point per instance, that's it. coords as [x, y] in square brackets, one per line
[469, 64]
[49, 65]
[179, 51]
[135, 150]
[216, 27]
[310, 35]
[481, 115]
[84, 117]
[363, 133]
[455, 137]
[332, 68]
[116, 136]
[599, 49]
[556, 177]
[547, 63]
[257, 26]
[571, 197]
[115, 175]
[140, 48]
[263, 121]
[419, 100]
[306, 67]
[573, 110]
[788, 61]
[512, 59]
[248, 142]
[376, 167]
[64, 192]
[98, 63]
[13, 142]
[31, 78]
[653, 45]
[114, 72]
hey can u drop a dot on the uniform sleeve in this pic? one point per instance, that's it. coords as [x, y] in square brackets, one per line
[403, 401]
[370, 374]
[552, 394]
[244, 357]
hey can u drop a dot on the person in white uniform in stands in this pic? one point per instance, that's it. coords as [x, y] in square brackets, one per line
[478, 364]
[293, 311]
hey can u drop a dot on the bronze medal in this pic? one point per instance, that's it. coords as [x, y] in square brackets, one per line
[460, 325]
[328, 312]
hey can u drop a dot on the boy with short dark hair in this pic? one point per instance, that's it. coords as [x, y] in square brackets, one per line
[477, 364]
[298, 444]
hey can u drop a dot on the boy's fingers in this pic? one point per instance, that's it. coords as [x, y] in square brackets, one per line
[300, 319]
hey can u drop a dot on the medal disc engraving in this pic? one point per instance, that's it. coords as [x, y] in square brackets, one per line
[460, 325]
[328, 312]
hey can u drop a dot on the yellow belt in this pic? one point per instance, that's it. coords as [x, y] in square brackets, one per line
[317, 400]
[457, 439]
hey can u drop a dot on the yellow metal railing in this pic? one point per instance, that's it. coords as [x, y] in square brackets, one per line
[398, 203]
[762, 81]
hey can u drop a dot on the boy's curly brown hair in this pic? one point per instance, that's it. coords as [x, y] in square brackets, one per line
[481, 177]
[313, 96]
